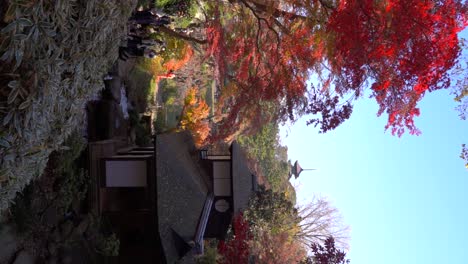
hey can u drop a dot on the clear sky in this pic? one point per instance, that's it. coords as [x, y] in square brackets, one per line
[406, 199]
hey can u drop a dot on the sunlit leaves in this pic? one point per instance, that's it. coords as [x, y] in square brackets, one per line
[194, 116]
[406, 48]
[236, 249]
[399, 49]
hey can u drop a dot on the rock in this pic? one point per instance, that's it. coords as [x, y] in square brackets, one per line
[8, 242]
[24, 257]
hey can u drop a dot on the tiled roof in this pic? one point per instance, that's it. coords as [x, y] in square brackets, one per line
[181, 190]
[242, 178]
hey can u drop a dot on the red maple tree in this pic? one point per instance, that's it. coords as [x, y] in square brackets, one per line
[236, 250]
[268, 51]
[404, 47]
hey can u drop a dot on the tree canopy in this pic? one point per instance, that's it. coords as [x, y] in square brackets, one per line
[273, 230]
[265, 148]
[327, 254]
[267, 51]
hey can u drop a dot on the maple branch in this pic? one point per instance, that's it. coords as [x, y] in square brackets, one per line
[281, 26]
[259, 25]
[276, 11]
[261, 19]
[202, 8]
[327, 5]
[182, 36]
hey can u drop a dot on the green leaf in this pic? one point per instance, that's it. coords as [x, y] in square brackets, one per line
[7, 55]
[24, 105]
[9, 157]
[9, 27]
[35, 34]
[20, 37]
[13, 84]
[50, 32]
[12, 96]
[4, 143]
[25, 22]
[64, 148]
[45, 24]
[16, 122]
[19, 58]
[8, 117]
[3, 175]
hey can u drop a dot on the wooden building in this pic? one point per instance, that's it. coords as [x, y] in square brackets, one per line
[233, 184]
[169, 194]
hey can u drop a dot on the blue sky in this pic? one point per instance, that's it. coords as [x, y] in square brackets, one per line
[404, 198]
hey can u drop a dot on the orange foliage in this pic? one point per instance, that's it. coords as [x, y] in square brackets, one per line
[403, 48]
[277, 248]
[175, 64]
[194, 117]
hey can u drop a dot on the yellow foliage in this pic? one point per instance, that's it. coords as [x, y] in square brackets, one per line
[153, 66]
[194, 116]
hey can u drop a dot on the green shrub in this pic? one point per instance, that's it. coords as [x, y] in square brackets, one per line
[160, 122]
[108, 245]
[74, 187]
[49, 75]
[175, 47]
[21, 211]
[67, 181]
[72, 149]
[211, 255]
[142, 87]
[142, 132]
[103, 240]
[169, 91]
[144, 3]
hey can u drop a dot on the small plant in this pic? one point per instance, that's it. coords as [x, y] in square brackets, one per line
[101, 237]
[21, 212]
[73, 188]
[142, 132]
[211, 254]
[71, 180]
[108, 245]
[179, 8]
[236, 250]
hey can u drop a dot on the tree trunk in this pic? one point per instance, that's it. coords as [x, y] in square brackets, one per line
[182, 36]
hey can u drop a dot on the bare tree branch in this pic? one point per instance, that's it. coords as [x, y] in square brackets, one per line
[321, 220]
[182, 36]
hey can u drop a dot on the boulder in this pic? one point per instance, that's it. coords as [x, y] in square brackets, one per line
[8, 242]
[24, 257]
